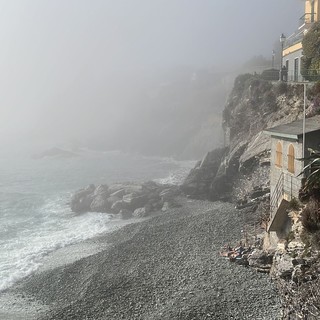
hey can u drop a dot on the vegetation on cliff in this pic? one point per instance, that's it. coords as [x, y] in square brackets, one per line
[310, 67]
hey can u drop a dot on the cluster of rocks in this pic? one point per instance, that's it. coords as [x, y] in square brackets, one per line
[254, 257]
[127, 200]
[261, 260]
[296, 273]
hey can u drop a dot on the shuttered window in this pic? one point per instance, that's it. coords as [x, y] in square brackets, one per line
[291, 158]
[279, 155]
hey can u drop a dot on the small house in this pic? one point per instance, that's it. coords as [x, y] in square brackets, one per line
[287, 143]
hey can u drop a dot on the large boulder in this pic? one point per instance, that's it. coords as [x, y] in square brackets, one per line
[169, 193]
[82, 199]
[125, 214]
[198, 182]
[112, 199]
[282, 266]
[118, 206]
[134, 201]
[140, 213]
[260, 260]
[100, 201]
[119, 193]
[124, 188]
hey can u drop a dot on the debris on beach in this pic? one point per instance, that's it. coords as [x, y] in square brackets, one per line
[250, 256]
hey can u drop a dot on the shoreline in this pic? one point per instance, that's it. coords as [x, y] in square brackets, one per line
[166, 267]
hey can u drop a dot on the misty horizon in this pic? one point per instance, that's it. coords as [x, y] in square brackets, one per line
[75, 70]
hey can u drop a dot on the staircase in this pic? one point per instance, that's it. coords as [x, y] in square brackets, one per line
[278, 206]
[276, 196]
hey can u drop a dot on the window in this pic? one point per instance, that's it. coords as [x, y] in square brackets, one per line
[291, 159]
[296, 69]
[279, 155]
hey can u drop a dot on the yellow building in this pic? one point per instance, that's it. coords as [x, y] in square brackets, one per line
[292, 49]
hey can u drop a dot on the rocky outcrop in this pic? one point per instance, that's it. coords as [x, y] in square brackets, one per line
[260, 260]
[82, 199]
[127, 200]
[199, 181]
[100, 202]
[235, 172]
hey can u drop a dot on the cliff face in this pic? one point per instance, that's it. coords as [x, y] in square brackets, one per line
[253, 105]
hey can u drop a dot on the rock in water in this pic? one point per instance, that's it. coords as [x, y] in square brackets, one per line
[140, 213]
[118, 205]
[100, 201]
[125, 214]
[134, 201]
[82, 199]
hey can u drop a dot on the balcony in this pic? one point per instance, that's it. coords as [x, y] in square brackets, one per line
[305, 23]
[307, 18]
[294, 38]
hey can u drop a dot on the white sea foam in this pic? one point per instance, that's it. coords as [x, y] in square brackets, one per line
[34, 217]
[177, 176]
[22, 255]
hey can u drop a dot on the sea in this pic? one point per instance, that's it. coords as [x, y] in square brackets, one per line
[35, 216]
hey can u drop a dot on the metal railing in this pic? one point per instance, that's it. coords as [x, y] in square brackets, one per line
[276, 196]
[294, 39]
[307, 18]
[291, 186]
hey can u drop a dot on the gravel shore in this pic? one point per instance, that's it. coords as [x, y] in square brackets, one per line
[166, 267]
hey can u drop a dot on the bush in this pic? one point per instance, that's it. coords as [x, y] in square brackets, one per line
[310, 67]
[310, 216]
[294, 204]
[290, 236]
[241, 82]
[311, 183]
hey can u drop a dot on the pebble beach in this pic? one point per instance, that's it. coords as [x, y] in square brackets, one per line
[164, 267]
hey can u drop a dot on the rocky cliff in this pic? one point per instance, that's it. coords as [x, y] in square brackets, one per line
[240, 171]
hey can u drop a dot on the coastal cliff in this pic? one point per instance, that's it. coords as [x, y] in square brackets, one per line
[240, 170]
[240, 173]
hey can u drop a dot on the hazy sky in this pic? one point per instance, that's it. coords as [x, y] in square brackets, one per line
[68, 63]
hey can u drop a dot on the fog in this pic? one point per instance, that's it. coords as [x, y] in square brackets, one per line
[89, 73]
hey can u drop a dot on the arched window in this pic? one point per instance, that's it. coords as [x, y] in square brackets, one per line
[291, 158]
[279, 155]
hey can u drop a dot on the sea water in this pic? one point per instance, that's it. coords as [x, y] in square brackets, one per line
[35, 217]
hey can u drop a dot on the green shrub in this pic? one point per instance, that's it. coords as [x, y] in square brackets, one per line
[241, 82]
[290, 236]
[294, 204]
[310, 216]
[312, 172]
[310, 66]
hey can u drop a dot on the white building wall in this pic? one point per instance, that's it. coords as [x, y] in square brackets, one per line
[290, 61]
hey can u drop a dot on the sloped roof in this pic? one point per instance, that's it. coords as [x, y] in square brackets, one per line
[294, 129]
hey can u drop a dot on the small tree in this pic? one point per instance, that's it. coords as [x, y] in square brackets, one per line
[312, 172]
[310, 67]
